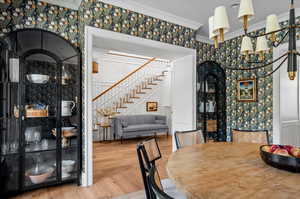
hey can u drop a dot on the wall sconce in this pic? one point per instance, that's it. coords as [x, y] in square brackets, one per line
[95, 67]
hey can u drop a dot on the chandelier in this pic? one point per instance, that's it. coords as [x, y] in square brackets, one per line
[219, 25]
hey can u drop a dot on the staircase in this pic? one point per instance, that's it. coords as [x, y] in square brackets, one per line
[129, 90]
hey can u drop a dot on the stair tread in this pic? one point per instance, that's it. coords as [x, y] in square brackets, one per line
[147, 88]
[141, 93]
[152, 84]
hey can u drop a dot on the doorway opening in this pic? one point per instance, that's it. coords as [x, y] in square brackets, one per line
[116, 56]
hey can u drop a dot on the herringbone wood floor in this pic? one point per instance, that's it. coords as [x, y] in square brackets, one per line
[116, 172]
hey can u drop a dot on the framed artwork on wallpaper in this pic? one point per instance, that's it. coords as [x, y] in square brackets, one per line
[151, 106]
[246, 90]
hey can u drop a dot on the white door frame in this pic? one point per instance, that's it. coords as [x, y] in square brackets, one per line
[90, 33]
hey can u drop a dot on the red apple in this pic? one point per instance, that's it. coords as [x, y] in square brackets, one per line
[288, 148]
[274, 147]
[282, 152]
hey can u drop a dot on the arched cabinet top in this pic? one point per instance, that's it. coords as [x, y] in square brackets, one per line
[210, 68]
[24, 40]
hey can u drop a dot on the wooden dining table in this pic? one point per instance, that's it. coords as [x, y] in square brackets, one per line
[229, 171]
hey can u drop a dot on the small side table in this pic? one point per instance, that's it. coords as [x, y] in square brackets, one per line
[105, 128]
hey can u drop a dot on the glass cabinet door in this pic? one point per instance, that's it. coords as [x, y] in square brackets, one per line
[9, 125]
[70, 112]
[40, 130]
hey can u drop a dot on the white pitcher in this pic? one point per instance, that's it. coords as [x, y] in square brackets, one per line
[67, 108]
[211, 106]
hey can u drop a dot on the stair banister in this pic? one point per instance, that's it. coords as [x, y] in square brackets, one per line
[122, 80]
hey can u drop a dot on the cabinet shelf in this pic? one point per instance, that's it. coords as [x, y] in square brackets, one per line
[9, 154]
[40, 151]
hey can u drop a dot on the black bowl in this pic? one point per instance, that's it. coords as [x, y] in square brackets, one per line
[291, 164]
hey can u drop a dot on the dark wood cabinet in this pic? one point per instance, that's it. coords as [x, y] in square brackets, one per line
[211, 101]
[40, 103]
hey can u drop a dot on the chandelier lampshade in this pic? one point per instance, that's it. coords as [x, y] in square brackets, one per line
[212, 35]
[221, 22]
[272, 26]
[247, 47]
[246, 12]
[261, 46]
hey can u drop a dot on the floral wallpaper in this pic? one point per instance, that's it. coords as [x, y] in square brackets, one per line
[19, 14]
[245, 115]
[101, 15]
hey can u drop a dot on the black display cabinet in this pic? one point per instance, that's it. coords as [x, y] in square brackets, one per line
[211, 101]
[40, 111]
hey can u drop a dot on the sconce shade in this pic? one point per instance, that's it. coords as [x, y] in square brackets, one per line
[261, 44]
[272, 24]
[246, 46]
[246, 9]
[221, 19]
[211, 27]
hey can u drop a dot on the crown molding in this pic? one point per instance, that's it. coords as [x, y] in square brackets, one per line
[204, 39]
[73, 4]
[147, 10]
[259, 25]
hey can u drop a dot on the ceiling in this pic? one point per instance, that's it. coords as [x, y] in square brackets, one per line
[200, 10]
[132, 46]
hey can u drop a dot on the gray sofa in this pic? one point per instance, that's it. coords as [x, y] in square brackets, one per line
[130, 126]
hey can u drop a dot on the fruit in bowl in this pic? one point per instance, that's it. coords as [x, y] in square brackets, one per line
[283, 150]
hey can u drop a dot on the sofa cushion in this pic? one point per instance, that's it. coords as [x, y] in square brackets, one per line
[140, 119]
[160, 122]
[144, 127]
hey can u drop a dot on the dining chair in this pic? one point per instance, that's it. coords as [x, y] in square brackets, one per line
[250, 136]
[148, 153]
[188, 138]
[155, 189]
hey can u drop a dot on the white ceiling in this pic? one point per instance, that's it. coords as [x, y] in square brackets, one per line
[108, 40]
[200, 10]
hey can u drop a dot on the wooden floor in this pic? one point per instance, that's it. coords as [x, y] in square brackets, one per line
[116, 172]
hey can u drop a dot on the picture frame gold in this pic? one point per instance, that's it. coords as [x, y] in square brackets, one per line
[247, 90]
[151, 106]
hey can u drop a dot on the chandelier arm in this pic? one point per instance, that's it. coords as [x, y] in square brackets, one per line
[271, 73]
[276, 44]
[257, 67]
[264, 34]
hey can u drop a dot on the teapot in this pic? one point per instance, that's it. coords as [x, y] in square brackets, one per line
[67, 108]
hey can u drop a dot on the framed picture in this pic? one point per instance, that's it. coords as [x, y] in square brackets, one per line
[246, 90]
[151, 106]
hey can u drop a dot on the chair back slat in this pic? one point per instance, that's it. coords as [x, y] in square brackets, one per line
[152, 149]
[188, 138]
[250, 136]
